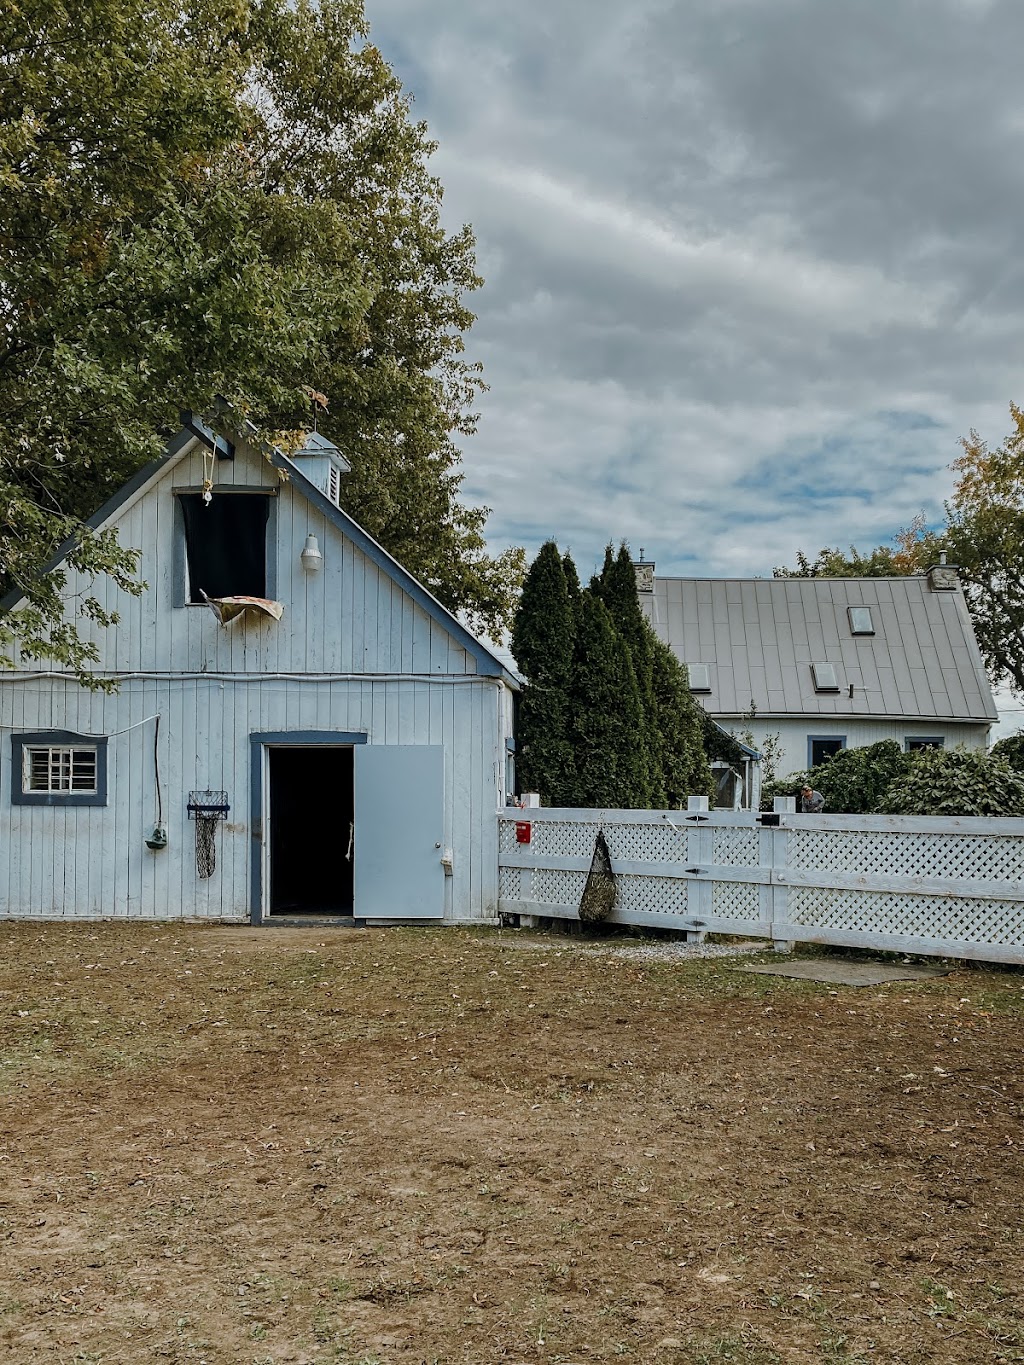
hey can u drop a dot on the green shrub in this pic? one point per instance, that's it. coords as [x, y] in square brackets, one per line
[1012, 749]
[956, 782]
[853, 781]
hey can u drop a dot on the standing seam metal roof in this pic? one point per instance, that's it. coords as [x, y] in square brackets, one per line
[760, 637]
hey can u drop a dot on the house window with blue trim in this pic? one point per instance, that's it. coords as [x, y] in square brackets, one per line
[59, 768]
[820, 748]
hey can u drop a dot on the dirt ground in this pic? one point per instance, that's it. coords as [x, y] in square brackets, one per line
[310, 1145]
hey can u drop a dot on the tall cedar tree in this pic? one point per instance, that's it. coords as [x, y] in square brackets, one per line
[542, 643]
[223, 197]
[607, 714]
[616, 587]
[572, 578]
[681, 728]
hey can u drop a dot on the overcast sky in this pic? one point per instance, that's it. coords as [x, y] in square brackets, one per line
[752, 268]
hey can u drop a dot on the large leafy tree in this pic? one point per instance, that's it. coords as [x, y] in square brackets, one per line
[223, 199]
[985, 535]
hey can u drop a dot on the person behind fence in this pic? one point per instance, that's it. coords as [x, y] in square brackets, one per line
[811, 802]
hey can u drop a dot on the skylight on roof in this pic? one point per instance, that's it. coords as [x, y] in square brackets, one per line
[700, 677]
[824, 676]
[860, 621]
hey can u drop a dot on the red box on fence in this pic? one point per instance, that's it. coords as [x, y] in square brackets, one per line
[523, 831]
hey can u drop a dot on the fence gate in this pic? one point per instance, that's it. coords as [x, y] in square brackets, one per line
[942, 886]
[675, 869]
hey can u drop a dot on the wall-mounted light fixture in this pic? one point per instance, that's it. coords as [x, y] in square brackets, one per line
[311, 557]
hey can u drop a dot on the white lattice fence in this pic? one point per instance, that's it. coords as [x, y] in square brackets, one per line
[954, 888]
[947, 887]
[908, 853]
[664, 863]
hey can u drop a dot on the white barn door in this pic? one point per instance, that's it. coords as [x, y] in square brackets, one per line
[399, 831]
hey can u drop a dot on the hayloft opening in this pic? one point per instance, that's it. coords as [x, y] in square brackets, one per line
[226, 544]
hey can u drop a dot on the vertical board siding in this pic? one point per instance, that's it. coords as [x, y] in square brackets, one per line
[348, 617]
[857, 731]
[89, 861]
[213, 686]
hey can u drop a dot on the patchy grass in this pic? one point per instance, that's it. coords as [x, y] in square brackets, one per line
[226, 1145]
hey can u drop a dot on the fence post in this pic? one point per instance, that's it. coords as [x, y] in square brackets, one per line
[698, 850]
[782, 805]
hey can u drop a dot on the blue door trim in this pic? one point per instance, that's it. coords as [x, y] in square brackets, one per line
[257, 740]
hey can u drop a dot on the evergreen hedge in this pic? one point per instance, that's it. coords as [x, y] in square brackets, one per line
[606, 717]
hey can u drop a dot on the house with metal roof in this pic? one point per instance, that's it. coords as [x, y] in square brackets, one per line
[828, 663]
[299, 728]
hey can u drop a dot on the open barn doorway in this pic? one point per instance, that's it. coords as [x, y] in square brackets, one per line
[311, 830]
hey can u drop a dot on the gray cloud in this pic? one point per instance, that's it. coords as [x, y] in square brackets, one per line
[751, 269]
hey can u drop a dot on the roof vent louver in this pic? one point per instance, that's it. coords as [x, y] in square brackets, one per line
[323, 465]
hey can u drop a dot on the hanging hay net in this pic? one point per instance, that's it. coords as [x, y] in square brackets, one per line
[598, 899]
[206, 808]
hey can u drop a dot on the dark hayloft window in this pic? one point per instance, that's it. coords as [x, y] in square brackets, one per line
[226, 544]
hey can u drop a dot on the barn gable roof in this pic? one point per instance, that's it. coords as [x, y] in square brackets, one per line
[487, 661]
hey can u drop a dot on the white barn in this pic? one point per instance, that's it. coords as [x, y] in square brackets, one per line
[344, 760]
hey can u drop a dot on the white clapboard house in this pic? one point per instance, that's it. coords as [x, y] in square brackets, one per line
[300, 729]
[828, 663]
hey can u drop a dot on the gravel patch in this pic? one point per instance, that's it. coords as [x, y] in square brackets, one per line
[667, 950]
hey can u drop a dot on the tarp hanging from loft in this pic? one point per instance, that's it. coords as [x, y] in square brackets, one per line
[227, 609]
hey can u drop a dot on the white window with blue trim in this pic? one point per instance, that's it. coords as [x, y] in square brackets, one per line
[59, 767]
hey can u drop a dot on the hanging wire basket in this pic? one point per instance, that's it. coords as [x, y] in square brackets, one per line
[212, 805]
[206, 808]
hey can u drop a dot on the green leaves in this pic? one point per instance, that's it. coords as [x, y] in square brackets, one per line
[882, 778]
[607, 718]
[852, 781]
[543, 636]
[985, 533]
[956, 782]
[226, 198]
[1011, 749]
